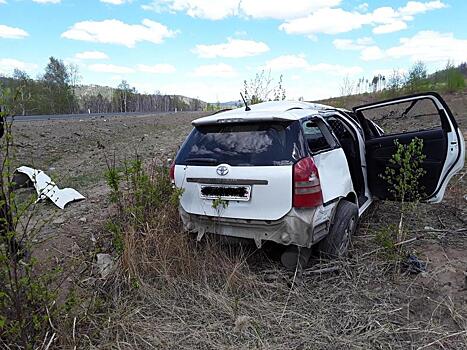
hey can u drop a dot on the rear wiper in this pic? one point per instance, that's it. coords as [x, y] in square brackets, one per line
[202, 160]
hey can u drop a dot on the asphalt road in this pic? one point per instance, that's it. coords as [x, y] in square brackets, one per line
[26, 118]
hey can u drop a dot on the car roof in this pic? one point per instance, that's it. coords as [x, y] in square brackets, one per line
[272, 110]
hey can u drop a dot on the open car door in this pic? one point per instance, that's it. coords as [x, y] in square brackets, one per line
[424, 116]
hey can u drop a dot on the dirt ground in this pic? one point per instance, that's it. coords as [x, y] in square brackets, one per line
[76, 153]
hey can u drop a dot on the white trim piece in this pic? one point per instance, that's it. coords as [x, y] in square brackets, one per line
[46, 188]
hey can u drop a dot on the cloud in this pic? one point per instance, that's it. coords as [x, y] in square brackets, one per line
[220, 9]
[2, 2]
[327, 21]
[234, 48]
[430, 46]
[337, 20]
[91, 55]
[115, 2]
[289, 62]
[157, 68]
[110, 68]
[371, 53]
[283, 9]
[12, 32]
[350, 44]
[47, 1]
[113, 31]
[8, 65]
[390, 27]
[220, 70]
[207, 9]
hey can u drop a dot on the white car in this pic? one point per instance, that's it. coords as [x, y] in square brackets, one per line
[302, 174]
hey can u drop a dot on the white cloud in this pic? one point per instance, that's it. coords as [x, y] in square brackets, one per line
[47, 1]
[8, 65]
[110, 68]
[350, 44]
[91, 55]
[113, 31]
[207, 9]
[115, 2]
[390, 27]
[336, 20]
[416, 7]
[157, 68]
[362, 7]
[2, 1]
[234, 48]
[283, 9]
[220, 70]
[372, 53]
[219, 9]
[288, 62]
[12, 32]
[327, 21]
[428, 46]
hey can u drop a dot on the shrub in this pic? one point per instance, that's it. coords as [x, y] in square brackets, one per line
[26, 299]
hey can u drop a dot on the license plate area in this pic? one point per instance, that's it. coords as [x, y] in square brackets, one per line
[226, 192]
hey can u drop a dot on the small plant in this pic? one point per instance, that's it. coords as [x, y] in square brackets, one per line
[219, 203]
[403, 175]
[26, 298]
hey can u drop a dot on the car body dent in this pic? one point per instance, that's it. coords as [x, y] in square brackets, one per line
[298, 226]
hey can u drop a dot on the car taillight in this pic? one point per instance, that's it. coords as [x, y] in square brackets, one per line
[306, 186]
[172, 172]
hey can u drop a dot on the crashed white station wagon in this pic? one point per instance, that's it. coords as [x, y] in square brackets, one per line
[302, 174]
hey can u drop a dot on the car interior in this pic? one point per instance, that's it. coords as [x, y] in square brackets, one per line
[349, 143]
[380, 148]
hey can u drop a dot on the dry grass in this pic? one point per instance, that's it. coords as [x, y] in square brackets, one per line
[170, 292]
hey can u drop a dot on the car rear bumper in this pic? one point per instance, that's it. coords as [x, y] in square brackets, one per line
[296, 227]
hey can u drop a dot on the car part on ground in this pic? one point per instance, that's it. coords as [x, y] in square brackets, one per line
[46, 188]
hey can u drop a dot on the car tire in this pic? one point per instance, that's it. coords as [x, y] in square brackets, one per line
[336, 244]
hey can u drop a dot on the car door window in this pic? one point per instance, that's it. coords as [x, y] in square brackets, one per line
[402, 117]
[317, 136]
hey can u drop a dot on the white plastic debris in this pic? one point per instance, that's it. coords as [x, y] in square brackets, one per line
[104, 264]
[46, 188]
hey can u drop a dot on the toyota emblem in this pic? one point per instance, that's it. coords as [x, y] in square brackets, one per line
[222, 170]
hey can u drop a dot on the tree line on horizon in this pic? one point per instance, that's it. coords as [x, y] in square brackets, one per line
[57, 91]
[450, 79]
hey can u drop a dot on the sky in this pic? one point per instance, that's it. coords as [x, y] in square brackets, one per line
[207, 48]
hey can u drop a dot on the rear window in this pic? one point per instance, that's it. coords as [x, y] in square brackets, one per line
[247, 144]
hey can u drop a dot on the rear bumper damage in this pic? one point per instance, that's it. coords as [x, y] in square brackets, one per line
[296, 227]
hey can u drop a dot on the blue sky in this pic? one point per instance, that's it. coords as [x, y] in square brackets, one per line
[206, 48]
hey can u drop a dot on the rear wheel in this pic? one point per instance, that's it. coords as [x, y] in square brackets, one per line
[336, 243]
[294, 257]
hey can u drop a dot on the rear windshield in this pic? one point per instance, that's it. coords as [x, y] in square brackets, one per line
[251, 144]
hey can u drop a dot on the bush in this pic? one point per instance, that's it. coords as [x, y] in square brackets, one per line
[148, 234]
[26, 298]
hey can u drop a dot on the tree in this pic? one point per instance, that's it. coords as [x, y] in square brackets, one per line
[58, 92]
[24, 89]
[75, 78]
[454, 78]
[123, 90]
[260, 88]
[417, 78]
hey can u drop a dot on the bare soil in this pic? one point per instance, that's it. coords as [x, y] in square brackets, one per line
[365, 305]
